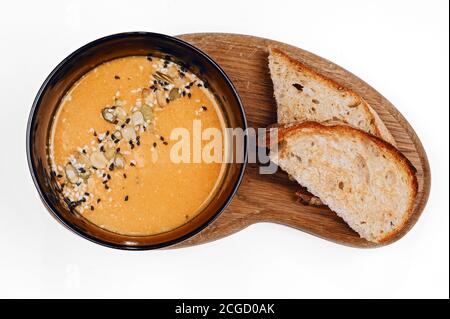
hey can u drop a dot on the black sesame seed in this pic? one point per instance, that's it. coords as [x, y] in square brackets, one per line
[87, 194]
[102, 148]
[116, 141]
[161, 138]
[117, 77]
[59, 176]
[154, 144]
[132, 164]
[127, 120]
[124, 175]
[98, 200]
[92, 207]
[106, 187]
[108, 177]
[165, 143]
[81, 170]
[83, 151]
[122, 126]
[94, 168]
[204, 108]
[126, 198]
[167, 100]
[118, 150]
[189, 95]
[149, 58]
[95, 133]
[107, 133]
[111, 167]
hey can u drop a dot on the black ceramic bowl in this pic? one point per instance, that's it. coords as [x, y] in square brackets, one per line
[85, 59]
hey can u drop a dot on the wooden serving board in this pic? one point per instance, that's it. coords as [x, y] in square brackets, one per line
[271, 198]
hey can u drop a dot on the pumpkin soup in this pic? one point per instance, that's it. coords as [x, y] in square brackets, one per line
[110, 145]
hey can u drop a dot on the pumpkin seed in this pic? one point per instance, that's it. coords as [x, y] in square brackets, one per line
[161, 98]
[71, 174]
[117, 135]
[173, 72]
[109, 153]
[119, 161]
[174, 94]
[98, 160]
[137, 118]
[147, 113]
[120, 113]
[109, 114]
[83, 160]
[129, 133]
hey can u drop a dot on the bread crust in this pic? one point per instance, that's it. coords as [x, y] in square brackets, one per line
[377, 124]
[285, 131]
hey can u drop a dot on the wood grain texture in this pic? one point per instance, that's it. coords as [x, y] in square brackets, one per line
[271, 198]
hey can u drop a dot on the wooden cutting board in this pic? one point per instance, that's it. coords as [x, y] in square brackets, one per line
[271, 198]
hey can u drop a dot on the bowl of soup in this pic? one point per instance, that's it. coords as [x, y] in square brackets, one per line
[137, 141]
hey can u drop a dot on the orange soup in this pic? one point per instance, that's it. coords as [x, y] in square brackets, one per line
[111, 145]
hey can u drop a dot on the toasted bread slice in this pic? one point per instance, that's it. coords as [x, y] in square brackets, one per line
[305, 95]
[365, 180]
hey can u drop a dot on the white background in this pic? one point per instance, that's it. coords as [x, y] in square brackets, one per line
[399, 47]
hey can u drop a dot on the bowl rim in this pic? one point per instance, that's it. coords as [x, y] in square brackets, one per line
[36, 105]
